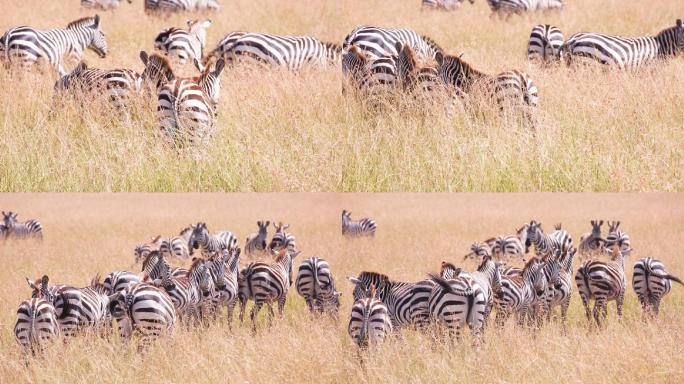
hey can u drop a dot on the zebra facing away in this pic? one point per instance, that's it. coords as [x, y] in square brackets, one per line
[602, 281]
[510, 89]
[102, 4]
[315, 283]
[142, 250]
[282, 239]
[619, 238]
[591, 242]
[357, 228]
[545, 44]
[370, 322]
[183, 46]
[378, 42]
[443, 5]
[36, 324]
[651, 282]
[118, 280]
[29, 46]
[178, 246]
[505, 8]
[12, 228]
[256, 243]
[291, 52]
[181, 5]
[625, 53]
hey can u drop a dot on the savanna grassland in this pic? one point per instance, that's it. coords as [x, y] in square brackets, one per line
[89, 234]
[598, 130]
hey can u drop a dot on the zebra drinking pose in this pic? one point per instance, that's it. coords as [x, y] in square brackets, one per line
[545, 44]
[376, 42]
[13, 228]
[145, 309]
[118, 84]
[592, 242]
[256, 243]
[282, 239]
[315, 283]
[651, 282]
[357, 228]
[443, 5]
[102, 4]
[370, 322]
[29, 45]
[625, 53]
[505, 8]
[181, 45]
[291, 52]
[509, 89]
[603, 281]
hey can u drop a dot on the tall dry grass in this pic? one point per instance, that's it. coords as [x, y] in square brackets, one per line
[598, 130]
[87, 234]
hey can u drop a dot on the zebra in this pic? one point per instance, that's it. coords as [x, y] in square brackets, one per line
[178, 246]
[370, 322]
[375, 42]
[458, 302]
[290, 52]
[316, 284]
[209, 244]
[507, 7]
[413, 77]
[480, 250]
[507, 247]
[265, 283]
[619, 238]
[224, 270]
[443, 5]
[562, 239]
[591, 242]
[545, 44]
[181, 5]
[519, 294]
[375, 79]
[182, 45]
[551, 269]
[407, 302]
[157, 270]
[102, 4]
[282, 239]
[544, 245]
[36, 324]
[651, 282]
[31, 45]
[625, 53]
[28, 229]
[357, 228]
[256, 243]
[117, 84]
[509, 89]
[603, 281]
[118, 280]
[142, 250]
[561, 290]
[191, 294]
[144, 308]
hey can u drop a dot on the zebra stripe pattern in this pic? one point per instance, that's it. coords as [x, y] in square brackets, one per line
[141, 251]
[443, 5]
[118, 280]
[519, 293]
[373, 79]
[357, 228]
[315, 283]
[178, 246]
[625, 53]
[560, 292]
[544, 245]
[458, 302]
[191, 294]
[36, 324]
[545, 44]
[12, 228]
[224, 270]
[282, 239]
[508, 7]
[412, 76]
[603, 281]
[381, 42]
[291, 52]
[28, 45]
[370, 322]
[181, 5]
[102, 4]
[256, 243]
[651, 282]
[619, 238]
[118, 84]
[183, 46]
[208, 243]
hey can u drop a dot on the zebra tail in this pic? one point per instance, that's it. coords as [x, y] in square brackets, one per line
[179, 126]
[442, 282]
[674, 278]
[33, 336]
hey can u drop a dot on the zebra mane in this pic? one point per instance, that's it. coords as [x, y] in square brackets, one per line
[531, 262]
[432, 44]
[184, 231]
[558, 226]
[333, 47]
[164, 64]
[149, 258]
[97, 285]
[373, 275]
[445, 266]
[282, 254]
[196, 262]
[83, 22]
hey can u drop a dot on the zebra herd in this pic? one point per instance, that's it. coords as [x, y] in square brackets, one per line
[154, 301]
[157, 6]
[501, 8]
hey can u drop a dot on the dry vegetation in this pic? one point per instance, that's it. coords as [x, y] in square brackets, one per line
[599, 130]
[86, 234]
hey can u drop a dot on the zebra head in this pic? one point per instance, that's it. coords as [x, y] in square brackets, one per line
[210, 80]
[406, 63]
[158, 70]
[65, 82]
[453, 71]
[200, 235]
[534, 276]
[449, 271]
[41, 288]
[552, 268]
[161, 38]
[9, 219]
[481, 250]
[263, 232]
[198, 29]
[365, 281]
[679, 36]
[217, 267]
[90, 26]
[534, 233]
[200, 276]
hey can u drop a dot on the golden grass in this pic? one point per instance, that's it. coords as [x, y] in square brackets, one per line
[599, 130]
[86, 234]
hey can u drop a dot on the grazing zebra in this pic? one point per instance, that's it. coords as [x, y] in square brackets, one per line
[266, 283]
[545, 43]
[370, 322]
[118, 84]
[511, 247]
[178, 246]
[210, 244]
[191, 293]
[182, 45]
[603, 281]
[443, 5]
[458, 302]
[31, 45]
[519, 294]
[145, 309]
[510, 88]
[13, 228]
[625, 53]
[619, 238]
[560, 292]
[181, 5]
[651, 282]
[36, 324]
[102, 4]
[315, 283]
[413, 77]
[256, 243]
[282, 239]
[592, 242]
[373, 77]
[407, 302]
[224, 270]
[291, 52]
[507, 7]
[357, 228]
[377, 42]
[142, 250]
[118, 280]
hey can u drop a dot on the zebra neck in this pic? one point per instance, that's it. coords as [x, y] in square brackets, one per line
[666, 43]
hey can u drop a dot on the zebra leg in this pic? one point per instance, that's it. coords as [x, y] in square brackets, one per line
[656, 306]
[271, 313]
[564, 312]
[597, 309]
[255, 311]
[620, 301]
[231, 308]
[585, 303]
[281, 306]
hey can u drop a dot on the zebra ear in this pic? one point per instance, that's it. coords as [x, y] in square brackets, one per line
[96, 24]
[679, 23]
[31, 283]
[220, 64]
[439, 57]
[144, 58]
[354, 280]
[398, 46]
[198, 65]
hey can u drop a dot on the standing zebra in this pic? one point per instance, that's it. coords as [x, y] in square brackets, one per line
[315, 283]
[619, 238]
[145, 309]
[507, 7]
[178, 246]
[118, 280]
[142, 250]
[625, 53]
[36, 324]
[13, 228]
[509, 89]
[182, 45]
[407, 302]
[256, 243]
[519, 294]
[291, 52]
[118, 84]
[370, 321]
[487, 276]
[378, 42]
[29, 45]
[357, 228]
[510, 247]
[591, 242]
[561, 291]
[544, 245]
[443, 5]
[224, 269]
[201, 238]
[603, 281]
[545, 43]
[266, 283]
[191, 293]
[282, 239]
[651, 282]
[102, 4]
[181, 5]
